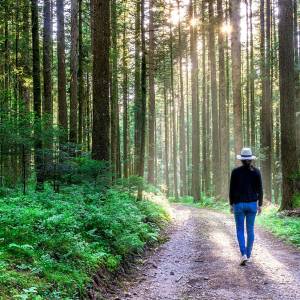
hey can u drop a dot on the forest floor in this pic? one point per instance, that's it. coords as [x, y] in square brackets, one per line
[201, 261]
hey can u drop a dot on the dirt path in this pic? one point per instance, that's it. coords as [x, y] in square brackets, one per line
[200, 261]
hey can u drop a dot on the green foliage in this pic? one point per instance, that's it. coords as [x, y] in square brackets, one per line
[130, 184]
[51, 244]
[206, 202]
[183, 199]
[76, 170]
[296, 201]
[18, 125]
[287, 228]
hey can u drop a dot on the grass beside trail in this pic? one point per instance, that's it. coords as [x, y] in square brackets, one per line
[286, 228]
[51, 244]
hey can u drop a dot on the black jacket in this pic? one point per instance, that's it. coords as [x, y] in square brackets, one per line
[245, 185]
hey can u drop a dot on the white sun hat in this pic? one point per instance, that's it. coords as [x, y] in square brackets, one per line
[246, 154]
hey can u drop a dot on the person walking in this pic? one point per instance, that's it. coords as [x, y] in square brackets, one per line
[246, 199]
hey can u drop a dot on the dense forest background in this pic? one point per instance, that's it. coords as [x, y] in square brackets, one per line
[165, 90]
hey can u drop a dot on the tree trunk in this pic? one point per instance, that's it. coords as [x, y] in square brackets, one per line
[248, 127]
[195, 110]
[266, 99]
[297, 75]
[137, 88]
[74, 73]
[151, 120]
[267, 164]
[222, 109]
[204, 106]
[81, 97]
[36, 72]
[252, 99]
[125, 102]
[143, 99]
[276, 115]
[24, 89]
[236, 74]
[101, 45]
[166, 144]
[61, 69]
[47, 72]
[214, 100]
[88, 112]
[188, 139]
[182, 140]
[228, 98]
[47, 62]
[287, 102]
[114, 95]
[209, 131]
[174, 134]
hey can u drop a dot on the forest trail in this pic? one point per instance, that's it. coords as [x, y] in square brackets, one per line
[200, 261]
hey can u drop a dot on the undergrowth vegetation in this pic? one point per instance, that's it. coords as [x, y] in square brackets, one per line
[52, 243]
[206, 202]
[287, 228]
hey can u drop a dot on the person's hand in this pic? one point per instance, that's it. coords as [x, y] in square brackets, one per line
[259, 210]
[231, 209]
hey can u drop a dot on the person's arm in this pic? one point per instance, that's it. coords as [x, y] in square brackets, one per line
[231, 187]
[259, 189]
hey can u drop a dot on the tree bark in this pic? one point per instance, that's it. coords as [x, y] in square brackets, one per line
[47, 61]
[248, 97]
[61, 68]
[125, 101]
[287, 102]
[143, 99]
[195, 110]
[214, 101]
[236, 74]
[188, 127]
[101, 45]
[224, 172]
[115, 135]
[266, 105]
[81, 96]
[166, 144]
[228, 98]
[137, 87]
[174, 133]
[25, 63]
[204, 106]
[252, 98]
[182, 139]
[73, 137]
[151, 120]
[47, 72]
[268, 109]
[297, 75]
[36, 72]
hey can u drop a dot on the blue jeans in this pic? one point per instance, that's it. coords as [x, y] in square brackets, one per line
[244, 210]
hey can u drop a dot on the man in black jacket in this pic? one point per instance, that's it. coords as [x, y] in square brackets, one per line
[246, 198]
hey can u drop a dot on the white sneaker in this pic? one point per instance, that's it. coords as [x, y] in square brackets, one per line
[249, 260]
[243, 260]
